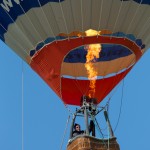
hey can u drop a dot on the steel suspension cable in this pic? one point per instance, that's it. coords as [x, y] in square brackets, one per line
[120, 107]
[31, 22]
[69, 110]
[100, 16]
[117, 18]
[47, 20]
[63, 15]
[64, 132]
[132, 21]
[19, 29]
[25, 52]
[120, 110]
[82, 16]
[98, 127]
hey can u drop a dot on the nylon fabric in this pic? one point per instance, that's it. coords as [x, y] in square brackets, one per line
[29, 24]
[103, 68]
[103, 86]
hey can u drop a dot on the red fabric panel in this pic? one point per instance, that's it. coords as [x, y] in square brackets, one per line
[73, 90]
[47, 63]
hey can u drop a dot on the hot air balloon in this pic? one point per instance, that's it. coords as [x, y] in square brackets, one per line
[52, 37]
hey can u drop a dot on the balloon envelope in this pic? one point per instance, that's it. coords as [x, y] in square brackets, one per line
[50, 36]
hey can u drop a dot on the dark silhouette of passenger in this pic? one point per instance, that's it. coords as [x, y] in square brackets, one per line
[92, 128]
[77, 130]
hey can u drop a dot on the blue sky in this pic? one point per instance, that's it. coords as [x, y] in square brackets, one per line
[45, 115]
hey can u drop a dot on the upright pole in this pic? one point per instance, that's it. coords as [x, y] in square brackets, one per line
[108, 123]
[86, 120]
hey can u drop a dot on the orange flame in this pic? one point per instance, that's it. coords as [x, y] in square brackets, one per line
[93, 51]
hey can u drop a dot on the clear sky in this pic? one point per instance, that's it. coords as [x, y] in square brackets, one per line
[45, 116]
